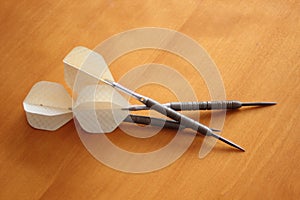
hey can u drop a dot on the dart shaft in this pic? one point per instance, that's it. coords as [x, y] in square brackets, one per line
[185, 121]
[205, 105]
[145, 120]
[202, 105]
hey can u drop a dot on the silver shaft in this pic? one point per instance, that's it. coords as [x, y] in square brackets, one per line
[184, 120]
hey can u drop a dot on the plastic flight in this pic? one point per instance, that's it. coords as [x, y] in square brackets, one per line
[48, 106]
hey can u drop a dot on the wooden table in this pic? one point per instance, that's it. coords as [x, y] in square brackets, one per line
[256, 46]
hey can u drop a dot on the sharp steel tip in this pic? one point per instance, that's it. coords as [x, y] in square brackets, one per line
[238, 147]
[268, 103]
[228, 142]
[259, 103]
[242, 149]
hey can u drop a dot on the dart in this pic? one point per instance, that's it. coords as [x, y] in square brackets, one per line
[100, 108]
[102, 74]
[205, 105]
[103, 103]
[48, 106]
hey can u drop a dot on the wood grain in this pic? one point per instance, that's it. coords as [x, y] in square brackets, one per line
[256, 46]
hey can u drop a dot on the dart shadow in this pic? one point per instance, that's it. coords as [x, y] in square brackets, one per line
[225, 149]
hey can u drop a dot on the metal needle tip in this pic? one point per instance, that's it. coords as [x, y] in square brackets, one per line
[229, 142]
[259, 103]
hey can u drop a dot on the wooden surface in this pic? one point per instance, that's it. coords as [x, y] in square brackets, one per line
[256, 46]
